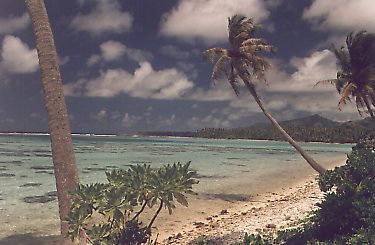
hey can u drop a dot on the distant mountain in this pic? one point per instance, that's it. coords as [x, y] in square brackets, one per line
[313, 121]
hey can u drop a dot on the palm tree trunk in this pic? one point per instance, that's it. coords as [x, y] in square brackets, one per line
[64, 161]
[317, 167]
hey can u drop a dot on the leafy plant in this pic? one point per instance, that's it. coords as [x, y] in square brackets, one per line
[346, 215]
[109, 213]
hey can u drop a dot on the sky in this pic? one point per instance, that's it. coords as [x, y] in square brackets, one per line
[136, 65]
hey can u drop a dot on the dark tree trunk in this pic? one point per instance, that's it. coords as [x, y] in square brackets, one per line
[58, 120]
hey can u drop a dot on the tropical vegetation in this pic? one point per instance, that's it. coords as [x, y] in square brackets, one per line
[346, 215]
[356, 76]
[308, 129]
[113, 213]
[243, 60]
[64, 161]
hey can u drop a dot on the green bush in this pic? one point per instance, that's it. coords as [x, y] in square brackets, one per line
[346, 215]
[108, 213]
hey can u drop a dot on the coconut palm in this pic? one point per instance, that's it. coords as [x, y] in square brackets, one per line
[243, 60]
[356, 76]
[58, 121]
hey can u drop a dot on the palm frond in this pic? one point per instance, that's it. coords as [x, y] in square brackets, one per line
[219, 67]
[345, 94]
[212, 53]
[327, 81]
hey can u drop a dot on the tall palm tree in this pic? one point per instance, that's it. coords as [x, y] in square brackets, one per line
[243, 59]
[64, 161]
[356, 76]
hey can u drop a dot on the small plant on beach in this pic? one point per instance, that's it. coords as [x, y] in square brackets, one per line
[109, 213]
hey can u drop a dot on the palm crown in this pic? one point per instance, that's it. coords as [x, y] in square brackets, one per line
[244, 57]
[356, 76]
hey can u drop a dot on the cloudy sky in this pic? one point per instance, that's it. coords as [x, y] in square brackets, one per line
[133, 65]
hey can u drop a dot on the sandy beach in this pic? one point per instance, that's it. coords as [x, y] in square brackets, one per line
[270, 211]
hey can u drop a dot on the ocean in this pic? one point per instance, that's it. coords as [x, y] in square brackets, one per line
[229, 170]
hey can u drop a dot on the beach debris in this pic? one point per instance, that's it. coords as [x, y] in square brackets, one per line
[198, 224]
[271, 226]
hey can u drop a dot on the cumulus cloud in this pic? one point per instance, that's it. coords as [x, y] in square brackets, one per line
[113, 50]
[145, 82]
[207, 19]
[320, 65]
[17, 57]
[338, 15]
[14, 24]
[129, 120]
[107, 16]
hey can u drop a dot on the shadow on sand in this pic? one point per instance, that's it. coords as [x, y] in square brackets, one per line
[29, 239]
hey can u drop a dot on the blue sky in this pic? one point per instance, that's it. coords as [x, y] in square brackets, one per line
[135, 65]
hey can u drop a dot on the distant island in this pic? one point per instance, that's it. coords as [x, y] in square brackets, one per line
[313, 128]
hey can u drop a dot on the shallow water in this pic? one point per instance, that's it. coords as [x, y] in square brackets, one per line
[27, 197]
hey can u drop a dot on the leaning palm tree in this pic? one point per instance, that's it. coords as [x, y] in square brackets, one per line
[243, 59]
[64, 161]
[356, 78]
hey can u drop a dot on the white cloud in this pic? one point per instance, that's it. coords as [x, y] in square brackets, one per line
[214, 93]
[113, 50]
[93, 59]
[145, 82]
[320, 65]
[342, 15]
[14, 24]
[17, 57]
[101, 115]
[210, 120]
[106, 17]
[207, 19]
[129, 120]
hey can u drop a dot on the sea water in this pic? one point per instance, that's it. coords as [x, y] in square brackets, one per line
[223, 166]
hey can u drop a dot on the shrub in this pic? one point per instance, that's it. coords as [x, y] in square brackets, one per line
[346, 215]
[108, 213]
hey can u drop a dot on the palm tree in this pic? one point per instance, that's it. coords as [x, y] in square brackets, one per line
[64, 161]
[243, 60]
[356, 77]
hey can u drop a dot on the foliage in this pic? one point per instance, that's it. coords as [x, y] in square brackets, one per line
[108, 213]
[347, 213]
[349, 204]
[356, 77]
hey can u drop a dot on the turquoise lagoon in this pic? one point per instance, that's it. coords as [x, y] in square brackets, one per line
[231, 170]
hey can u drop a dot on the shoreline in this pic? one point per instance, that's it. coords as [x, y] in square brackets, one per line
[203, 214]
